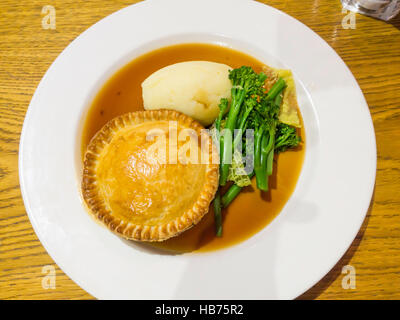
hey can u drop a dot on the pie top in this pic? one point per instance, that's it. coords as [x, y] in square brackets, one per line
[146, 175]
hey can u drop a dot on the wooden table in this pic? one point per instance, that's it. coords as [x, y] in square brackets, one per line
[372, 52]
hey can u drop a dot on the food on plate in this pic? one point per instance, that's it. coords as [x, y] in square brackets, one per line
[247, 192]
[194, 88]
[256, 108]
[288, 113]
[133, 190]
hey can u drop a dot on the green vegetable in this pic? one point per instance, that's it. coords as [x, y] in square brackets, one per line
[287, 137]
[250, 108]
[261, 175]
[264, 121]
[276, 89]
[232, 193]
[249, 105]
[245, 84]
[270, 157]
[223, 106]
[237, 173]
[218, 214]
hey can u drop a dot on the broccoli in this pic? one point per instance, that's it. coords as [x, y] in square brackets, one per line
[223, 106]
[250, 108]
[287, 137]
[245, 84]
[264, 121]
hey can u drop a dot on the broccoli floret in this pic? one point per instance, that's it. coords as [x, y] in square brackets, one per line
[246, 83]
[286, 137]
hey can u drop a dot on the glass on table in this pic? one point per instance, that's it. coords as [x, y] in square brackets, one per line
[381, 9]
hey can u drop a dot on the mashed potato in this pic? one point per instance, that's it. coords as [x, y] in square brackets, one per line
[194, 88]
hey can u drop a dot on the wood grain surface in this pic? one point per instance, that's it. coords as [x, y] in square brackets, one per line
[372, 52]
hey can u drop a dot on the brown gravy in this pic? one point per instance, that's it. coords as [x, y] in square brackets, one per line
[252, 210]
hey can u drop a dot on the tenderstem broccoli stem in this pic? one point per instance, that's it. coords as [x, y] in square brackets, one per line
[218, 214]
[276, 89]
[232, 193]
[217, 199]
[267, 150]
[226, 139]
[258, 169]
[271, 149]
[260, 161]
[268, 140]
[241, 127]
[270, 162]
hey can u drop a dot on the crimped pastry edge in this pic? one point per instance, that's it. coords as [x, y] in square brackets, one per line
[140, 232]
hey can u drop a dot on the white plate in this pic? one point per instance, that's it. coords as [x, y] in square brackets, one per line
[297, 249]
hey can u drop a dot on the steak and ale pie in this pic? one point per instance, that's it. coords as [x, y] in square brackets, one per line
[134, 187]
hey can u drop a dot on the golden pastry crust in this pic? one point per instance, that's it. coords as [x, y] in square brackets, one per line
[142, 198]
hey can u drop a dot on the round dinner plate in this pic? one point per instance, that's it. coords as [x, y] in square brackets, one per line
[301, 245]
